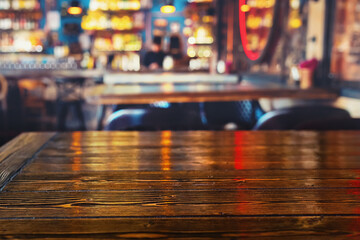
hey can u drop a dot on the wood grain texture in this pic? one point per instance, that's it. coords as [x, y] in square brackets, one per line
[184, 180]
[187, 203]
[187, 185]
[16, 154]
[312, 227]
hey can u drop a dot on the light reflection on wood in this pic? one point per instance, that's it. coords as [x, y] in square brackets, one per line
[238, 151]
[166, 143]
[76, 146]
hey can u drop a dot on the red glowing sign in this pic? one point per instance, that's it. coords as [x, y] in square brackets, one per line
[260, 27]
[243, 32]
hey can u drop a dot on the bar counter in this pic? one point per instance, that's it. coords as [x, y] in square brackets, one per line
[113, 77]
[149, 87]
[186, 185]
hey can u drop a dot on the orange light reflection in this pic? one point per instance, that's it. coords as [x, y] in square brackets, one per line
[76, 146]
[166, 150]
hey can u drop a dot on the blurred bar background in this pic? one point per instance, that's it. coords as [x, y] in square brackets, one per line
[55, 55]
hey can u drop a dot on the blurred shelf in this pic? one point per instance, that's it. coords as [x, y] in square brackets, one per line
[202, 43]
[119, 11]
[20, 30]
[115, 51]
[133, 30]
[20, 52]
[20, 11]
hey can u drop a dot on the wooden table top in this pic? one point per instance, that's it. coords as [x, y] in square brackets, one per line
[201, 92]
[188, 185]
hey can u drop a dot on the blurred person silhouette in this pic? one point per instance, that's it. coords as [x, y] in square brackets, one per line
[175, 48]
[154, 58]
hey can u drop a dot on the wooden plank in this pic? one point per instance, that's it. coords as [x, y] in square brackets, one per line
[206, 185]
[189, 164]
[217, 156]
[296, 174]
[166, 203]
[181, 180]
[312, 227]
[97, 184]
[18, 152]
[205, 139]
[188, 151]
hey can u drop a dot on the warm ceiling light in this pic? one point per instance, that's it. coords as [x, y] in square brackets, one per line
[75, 8]
[168, 7]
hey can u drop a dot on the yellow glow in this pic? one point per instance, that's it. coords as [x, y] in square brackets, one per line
[191, 52]
[245, 8]
[168, 9]
[167, 87]
[208, 19]
[295, 23]
[136, 5]
[75, 10]
[187, 31]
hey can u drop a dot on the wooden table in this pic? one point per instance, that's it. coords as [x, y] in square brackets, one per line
[201, 92]
[106, 95]
[188, 185]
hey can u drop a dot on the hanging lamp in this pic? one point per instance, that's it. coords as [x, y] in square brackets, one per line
[75, 8]
[168, 7]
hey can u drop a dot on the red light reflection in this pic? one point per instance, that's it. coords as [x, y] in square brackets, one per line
[243, 33]
[238, 151]
[355, 184]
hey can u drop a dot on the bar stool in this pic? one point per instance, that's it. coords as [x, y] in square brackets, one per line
[34, 112]
[70, 95]
[244, 114]
[175, 117]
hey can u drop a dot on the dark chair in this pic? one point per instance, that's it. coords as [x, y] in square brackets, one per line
[34, 111]
[127, 119]
[244, 114]
[291, 118]
[331, 124]
[70, 94]
[177, 117]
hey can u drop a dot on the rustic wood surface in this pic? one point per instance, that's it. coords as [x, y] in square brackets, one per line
[183, 185]
[17, 153]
